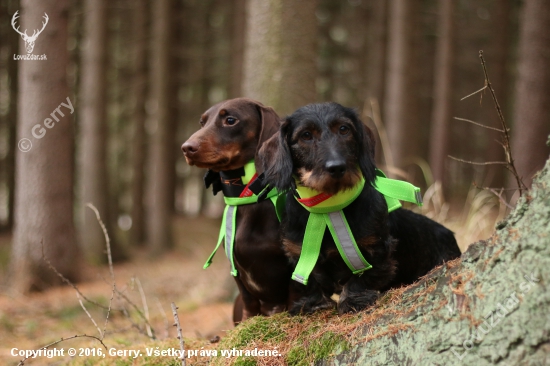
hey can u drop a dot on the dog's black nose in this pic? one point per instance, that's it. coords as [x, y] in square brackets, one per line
[336, 168]
[189, 148]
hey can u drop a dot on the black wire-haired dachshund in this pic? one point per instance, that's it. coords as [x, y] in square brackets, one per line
[230, 136]
[326, 148]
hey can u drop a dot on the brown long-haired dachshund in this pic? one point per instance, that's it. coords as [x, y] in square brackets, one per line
[231, 134]
[327, 149]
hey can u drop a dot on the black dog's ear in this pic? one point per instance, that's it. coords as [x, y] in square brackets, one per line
[366, 150]
[276, 160]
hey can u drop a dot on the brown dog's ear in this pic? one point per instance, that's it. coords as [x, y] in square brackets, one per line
[276, 160]
[270, 123]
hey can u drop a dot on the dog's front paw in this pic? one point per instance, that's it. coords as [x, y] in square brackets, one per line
[311, 304]
[352, 303]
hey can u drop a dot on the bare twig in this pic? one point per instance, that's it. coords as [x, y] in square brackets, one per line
[506, 136]
[498, 194]
[145, 307]
[101, 334]
[22, 362]
[474, 93]
[479, 163]
[478, 124]
[66, 280]
[109, 260]
[180, 334]
[504, 130]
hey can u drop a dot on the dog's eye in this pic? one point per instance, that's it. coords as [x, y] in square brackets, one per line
[230, 121]
[202, 123]
[306, 136]
[344, 130]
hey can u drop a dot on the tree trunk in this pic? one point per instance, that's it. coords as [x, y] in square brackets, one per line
[11, 117]
[44, 180]
[280, 53]
[443, 92]
[487, 308]
[162, 155]
[399, 104]
[139, 95]
[94, 182]
[531, 123]
[238, 32]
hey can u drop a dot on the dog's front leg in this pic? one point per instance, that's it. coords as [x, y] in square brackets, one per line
[356, 296]
[306, 299]
[252, 306]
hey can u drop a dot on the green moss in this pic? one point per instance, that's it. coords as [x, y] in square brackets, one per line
[245, 361]
[318, 349]
[256, 329]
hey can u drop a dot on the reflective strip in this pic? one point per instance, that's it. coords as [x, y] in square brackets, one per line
[229, 232]
[298, 278]
[418, 196]
[345, 240]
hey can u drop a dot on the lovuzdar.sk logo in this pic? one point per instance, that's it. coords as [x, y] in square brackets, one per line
[29, 40]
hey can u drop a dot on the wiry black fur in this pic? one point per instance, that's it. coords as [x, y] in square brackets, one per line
[401, 246]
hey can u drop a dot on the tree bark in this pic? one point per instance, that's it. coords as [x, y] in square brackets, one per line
[486, 308]
[94, 181]
[443, 93]
[531, 122]
[399, 104]
[162, 165]
[139, 96]
[44, 175]
[280, 53]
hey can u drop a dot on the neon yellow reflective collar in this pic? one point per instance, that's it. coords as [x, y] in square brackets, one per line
[326, 211]
[229, 220]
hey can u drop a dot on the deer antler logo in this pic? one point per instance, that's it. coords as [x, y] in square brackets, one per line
[29, 41]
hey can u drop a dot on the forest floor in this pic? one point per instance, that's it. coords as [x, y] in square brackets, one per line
[204, 297]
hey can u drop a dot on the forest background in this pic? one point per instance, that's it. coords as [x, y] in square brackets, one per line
[138, 74]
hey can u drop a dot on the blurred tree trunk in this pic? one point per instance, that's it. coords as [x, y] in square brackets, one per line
[377, 67]
[498, 73]
[532, 122]
[238, 31]
[377, 54]
[139, 90]
[443, 91]
[162, 164]
[280, 53]
[399, 104]
[11, 40]
[44, 195]
[94, 182]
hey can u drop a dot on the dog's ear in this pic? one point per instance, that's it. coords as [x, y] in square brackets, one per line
[366, 150]
[270, 123]
[276, 159]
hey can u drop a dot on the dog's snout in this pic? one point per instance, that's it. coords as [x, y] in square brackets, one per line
[336, 168]
[190, 147]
